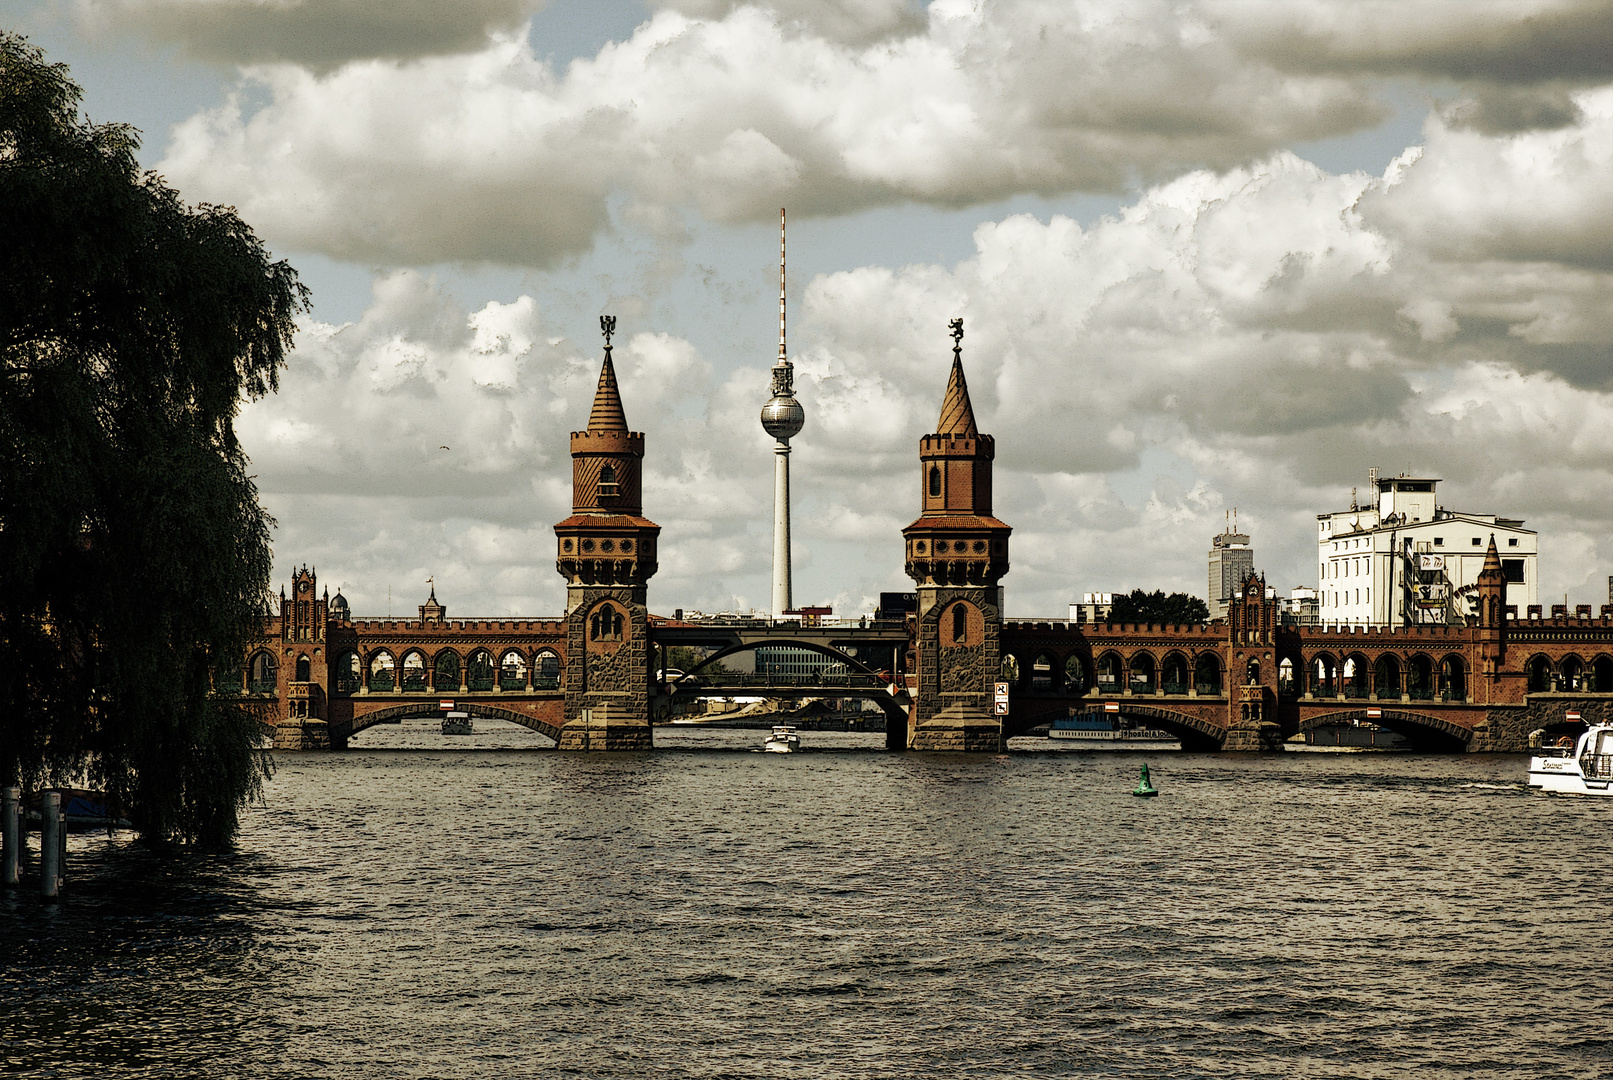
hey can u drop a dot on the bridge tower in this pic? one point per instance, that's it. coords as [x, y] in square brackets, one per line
[606, 553]
[956, 555]
[1253, 627]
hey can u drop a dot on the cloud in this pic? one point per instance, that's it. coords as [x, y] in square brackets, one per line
[492, 156]
[320, 35]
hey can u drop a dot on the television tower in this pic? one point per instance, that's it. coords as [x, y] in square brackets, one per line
[782, 418]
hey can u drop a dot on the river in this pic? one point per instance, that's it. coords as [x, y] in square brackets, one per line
[424, 907]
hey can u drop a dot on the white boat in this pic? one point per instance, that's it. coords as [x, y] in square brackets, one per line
[783, 740]
[457, 723]
[1583, 768]
[1097, 731]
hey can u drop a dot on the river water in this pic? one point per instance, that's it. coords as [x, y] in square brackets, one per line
[419, 906]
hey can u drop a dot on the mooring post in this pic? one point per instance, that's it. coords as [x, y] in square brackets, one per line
[11, 835]
[50, 845]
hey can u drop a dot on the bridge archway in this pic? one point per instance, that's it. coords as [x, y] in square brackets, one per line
[890, 695]
[1197, 734]
[425, 708]
[1423, 732]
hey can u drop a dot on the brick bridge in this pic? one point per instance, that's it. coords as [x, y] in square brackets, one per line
[591, 678]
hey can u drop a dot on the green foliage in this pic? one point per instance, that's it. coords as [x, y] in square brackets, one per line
[136, 557]
[1177, 609]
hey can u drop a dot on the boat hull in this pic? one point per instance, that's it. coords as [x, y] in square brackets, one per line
[1563, 776]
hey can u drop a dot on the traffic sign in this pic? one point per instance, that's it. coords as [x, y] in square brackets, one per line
[1002, 707]
[1002, 690]
[445, 704]
[1111, 706]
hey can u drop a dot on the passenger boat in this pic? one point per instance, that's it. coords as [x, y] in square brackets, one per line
[457, 723]
[783, 740]
[1097, 731]
[1583, 768]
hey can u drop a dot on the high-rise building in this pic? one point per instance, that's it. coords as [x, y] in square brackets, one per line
[782, 418]
[1232, 560]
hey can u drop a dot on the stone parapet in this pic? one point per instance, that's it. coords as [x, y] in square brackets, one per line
[605, 728]
[302, 735]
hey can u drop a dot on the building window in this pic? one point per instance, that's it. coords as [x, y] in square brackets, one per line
[607, 482]
[1512, 569]
[1476, 541]
[1512, 541]
[1439, 541]
[606, 624]
[960, 622]
[935, 482]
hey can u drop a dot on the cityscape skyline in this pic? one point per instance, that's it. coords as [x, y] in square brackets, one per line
[1353, 253]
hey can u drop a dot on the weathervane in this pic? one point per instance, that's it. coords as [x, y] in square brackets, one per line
[607, 326]
[956, 326]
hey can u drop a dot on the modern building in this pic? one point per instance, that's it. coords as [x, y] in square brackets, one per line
[1405, 560]
[1093, 608]
[1303, 607]
[1232, 560]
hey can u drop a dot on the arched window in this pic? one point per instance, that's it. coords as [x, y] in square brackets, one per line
[546, 670]
[607, 482]
[349, 673]
[512, 671]
[304, 668]
[1075, 677]
[1010, 669]
[1253, 676]
[479, 671]
[1207, 674]
[960, 622]
[606, 624]
[935, 481]
[1388, 677]
[447, 668]
[263, 674]
[414, 672]
[382, 675]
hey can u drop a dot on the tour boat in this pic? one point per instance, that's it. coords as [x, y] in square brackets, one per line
[783, 740]
[457, 723]
[1585, 768]
[1095, 731]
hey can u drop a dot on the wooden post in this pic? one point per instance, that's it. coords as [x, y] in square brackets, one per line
[50, 845]
[11, 834]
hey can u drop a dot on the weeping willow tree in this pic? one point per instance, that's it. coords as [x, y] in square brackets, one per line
[134, 556]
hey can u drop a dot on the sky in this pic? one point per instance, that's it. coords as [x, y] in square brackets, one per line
[1210, 254]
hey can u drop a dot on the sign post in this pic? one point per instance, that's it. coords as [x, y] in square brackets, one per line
[1000, 699]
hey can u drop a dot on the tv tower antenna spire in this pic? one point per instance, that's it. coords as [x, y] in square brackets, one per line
[782, 418]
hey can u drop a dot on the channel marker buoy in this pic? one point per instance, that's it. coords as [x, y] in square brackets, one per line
[1144, 788]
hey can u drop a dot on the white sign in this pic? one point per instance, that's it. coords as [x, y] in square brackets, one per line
[1431, 562]
[1002, 689]
[1002, 707]
[1111, 706]
[445, 704]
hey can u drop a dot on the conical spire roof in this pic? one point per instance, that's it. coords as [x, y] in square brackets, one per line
[607, 414]
[1492, 558]
[957, 415]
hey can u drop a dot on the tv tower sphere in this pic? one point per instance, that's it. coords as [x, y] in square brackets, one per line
[782, 417]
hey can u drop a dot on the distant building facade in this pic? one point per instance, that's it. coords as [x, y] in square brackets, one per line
[1404, 560]
[1093, 608]
[1232, 560]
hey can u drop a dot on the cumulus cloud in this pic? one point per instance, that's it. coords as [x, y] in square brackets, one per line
[317, 34]
[493, 156]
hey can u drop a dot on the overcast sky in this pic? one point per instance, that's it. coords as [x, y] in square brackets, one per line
[1208, 254]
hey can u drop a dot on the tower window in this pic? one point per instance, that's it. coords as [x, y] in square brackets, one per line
[960, 622]
[607, 482]
[935, 481]
[1512, 541]
[606, 624]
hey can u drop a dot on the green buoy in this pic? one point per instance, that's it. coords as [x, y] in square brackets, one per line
[1144, 788]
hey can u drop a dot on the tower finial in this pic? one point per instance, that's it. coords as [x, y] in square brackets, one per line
[607, 326]
[956, 326]
[781, 352]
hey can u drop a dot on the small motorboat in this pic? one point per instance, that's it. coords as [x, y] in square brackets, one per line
[783, 740]
[1576, 768]
[457, 723]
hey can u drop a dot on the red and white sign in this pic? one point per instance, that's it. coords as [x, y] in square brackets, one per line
[445, 704]
[1573, 715]
[1002, 708]
[1373, 714]
[1111, 706]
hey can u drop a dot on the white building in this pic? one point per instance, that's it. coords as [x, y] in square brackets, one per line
[1407, 560]
[1095, 607]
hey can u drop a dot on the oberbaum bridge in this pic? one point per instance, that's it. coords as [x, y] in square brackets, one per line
[597, 677]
